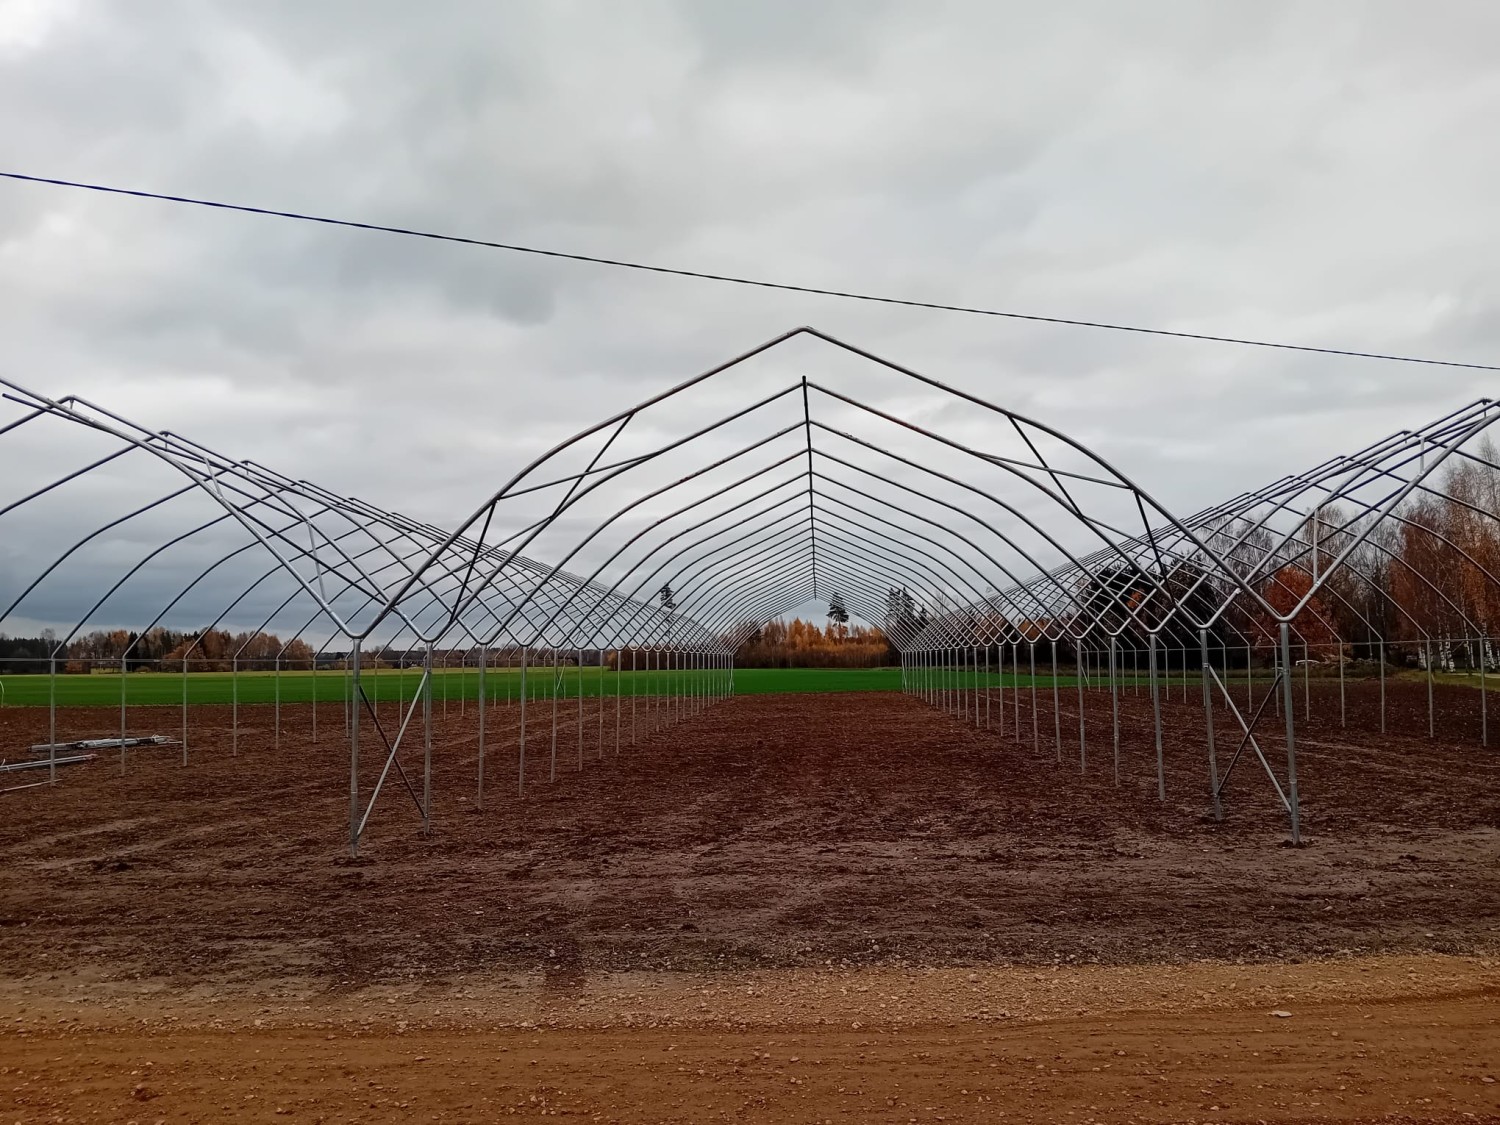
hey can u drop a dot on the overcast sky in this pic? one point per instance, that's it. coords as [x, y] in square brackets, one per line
[1314, 173]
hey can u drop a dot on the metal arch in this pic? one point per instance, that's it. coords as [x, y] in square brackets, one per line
[739, 553]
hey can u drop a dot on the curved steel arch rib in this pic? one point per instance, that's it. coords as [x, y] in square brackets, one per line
[679, 525]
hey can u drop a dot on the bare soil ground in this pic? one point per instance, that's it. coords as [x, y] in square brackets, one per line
[786, 908]
[1359, 1040]
[768, 830]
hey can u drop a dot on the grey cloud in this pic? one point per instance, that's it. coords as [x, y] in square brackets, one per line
[1284, 170]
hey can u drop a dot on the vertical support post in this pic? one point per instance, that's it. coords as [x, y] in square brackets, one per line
[1114, 701]
[1343, 709]
[354, 753]
[234, 703]
[1484, 710]
[1082, 746]
[960, 696]
[184, 712]
[1036, 737]
[1015, 694]
[1208, 721]
[556, 675]
[1000, 682]
[1430, 723]
[276, 720]
[484, 659]
[52, 717]
[124, 676]
[989, 690]
[1249, 681]
[521, 764]
[579, 658]
[1382, 685]
[427, 743]
[619, 662]
[1161, 764]
[634, 691]
[1291, 738]
[974, 671]
[960, 683]
[1056, 706]
[974, 682]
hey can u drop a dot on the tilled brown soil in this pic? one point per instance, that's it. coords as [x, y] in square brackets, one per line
[768, 830]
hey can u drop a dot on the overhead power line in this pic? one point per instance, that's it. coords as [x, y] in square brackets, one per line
[759, 283]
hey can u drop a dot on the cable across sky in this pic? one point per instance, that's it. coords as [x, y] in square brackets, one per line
[759, 283]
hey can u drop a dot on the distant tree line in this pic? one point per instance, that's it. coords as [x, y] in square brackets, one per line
[157, 650]
[802, 644]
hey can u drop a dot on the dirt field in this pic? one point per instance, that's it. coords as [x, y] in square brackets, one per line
[760, 878]
[769, 830]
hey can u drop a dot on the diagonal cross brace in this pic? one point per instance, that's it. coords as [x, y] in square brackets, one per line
[1249, 736]
[392, 747]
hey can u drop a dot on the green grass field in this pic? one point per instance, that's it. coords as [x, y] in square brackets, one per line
[145, 688]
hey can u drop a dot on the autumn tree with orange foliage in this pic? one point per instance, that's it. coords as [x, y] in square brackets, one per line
[802, 644]
[1314, 624]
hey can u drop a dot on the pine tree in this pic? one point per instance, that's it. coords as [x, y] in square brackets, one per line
[836, 611]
